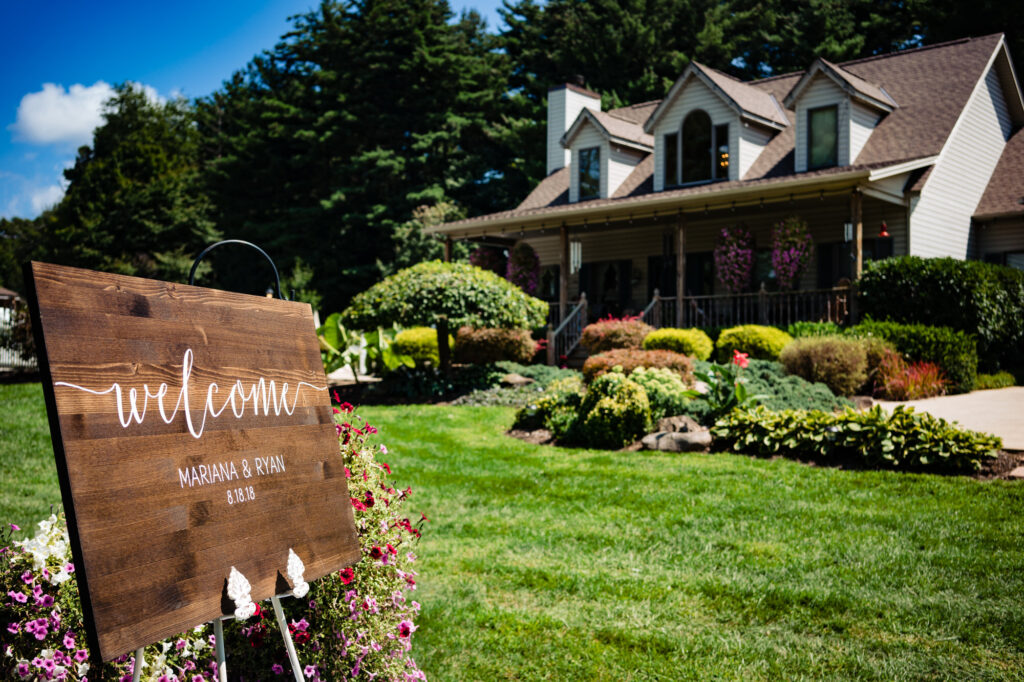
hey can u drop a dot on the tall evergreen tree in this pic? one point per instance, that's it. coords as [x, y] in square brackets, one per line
[133, 203]
[365, 111]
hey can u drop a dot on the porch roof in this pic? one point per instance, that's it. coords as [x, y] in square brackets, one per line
[1004, 196]
[553, 209]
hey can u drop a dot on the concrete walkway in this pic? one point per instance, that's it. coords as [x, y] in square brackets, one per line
[1000, 412]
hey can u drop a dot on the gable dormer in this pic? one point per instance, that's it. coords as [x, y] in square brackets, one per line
[604, 149]
[835, 114]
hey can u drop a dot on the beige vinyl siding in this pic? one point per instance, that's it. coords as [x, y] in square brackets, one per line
[822, 92]
[564, 105]
[694, 95]
[621, 162]
[862, 121]
[587, 137]
[1000, 236]
[752, 141]
[941, 221]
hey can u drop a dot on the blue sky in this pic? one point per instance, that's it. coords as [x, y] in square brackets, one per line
[61, 58]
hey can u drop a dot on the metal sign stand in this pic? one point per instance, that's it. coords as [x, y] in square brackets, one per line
[238, 591]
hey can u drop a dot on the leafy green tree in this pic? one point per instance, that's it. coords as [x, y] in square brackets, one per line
[133, 203]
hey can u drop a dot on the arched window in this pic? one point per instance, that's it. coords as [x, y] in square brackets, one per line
[696, 147]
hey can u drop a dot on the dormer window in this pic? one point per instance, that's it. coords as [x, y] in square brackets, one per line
[590, 173]
[822, 137]
[703, 155]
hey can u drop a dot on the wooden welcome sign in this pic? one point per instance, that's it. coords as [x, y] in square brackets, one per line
[193, 432]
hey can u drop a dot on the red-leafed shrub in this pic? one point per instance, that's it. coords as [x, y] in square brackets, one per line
[610, 334]
[480, 346]
[630, 359]
[899, 380]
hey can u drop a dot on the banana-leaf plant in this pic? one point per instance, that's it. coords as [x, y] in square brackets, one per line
[341, 347]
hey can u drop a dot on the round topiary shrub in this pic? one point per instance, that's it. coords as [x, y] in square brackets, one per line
[419, 343]
[611, 334]
[760, 342]
[665, 391]
[467, 295]
[480, 346]
[629, 360]
[692, 342]
[836, 361]
[556, 410]
[615, 412]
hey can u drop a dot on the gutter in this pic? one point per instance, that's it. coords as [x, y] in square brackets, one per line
[572, 214]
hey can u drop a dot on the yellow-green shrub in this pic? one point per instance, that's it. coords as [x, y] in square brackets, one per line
[760, 342]
[420, 343]
[692, 342]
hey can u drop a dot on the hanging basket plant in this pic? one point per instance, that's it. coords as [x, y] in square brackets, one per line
[792, 247]
[734, 257]
[523, 268]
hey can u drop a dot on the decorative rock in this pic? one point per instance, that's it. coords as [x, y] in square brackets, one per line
[862, 402]
[1017, 473]
[674, 441]
[680, 424]
[515, 380]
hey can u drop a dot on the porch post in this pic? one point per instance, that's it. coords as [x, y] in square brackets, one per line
[857, 218]
[447, 249]
[563, 273]
[680, 266]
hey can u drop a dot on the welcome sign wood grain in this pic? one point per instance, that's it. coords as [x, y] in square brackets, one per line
[193, 432]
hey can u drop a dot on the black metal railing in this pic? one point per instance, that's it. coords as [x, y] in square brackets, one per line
[763, 307]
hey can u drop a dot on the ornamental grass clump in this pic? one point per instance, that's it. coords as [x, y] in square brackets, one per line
[899, 380]
[355, 623]
[611, 333]
[839, 362]
[692, 342]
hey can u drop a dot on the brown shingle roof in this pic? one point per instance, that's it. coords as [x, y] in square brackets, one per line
[1005, 190]
[635, 113]
[930, 84]
[752, 100]
[613, 127]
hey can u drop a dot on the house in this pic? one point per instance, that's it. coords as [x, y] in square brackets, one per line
[917, 152]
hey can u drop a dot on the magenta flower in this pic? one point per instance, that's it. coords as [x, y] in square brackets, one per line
[309, 670]
[69, 641]
[14, 628]
[19, 597]
[27, 577]
[15, 527]
[81, 655]
[277, 669]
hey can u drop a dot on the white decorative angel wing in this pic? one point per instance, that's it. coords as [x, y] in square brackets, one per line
[239, 591]
[295, 570]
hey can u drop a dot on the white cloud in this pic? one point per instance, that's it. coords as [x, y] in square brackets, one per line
[58, 116]
[46, 197]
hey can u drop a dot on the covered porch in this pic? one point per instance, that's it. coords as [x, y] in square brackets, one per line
[655, 258]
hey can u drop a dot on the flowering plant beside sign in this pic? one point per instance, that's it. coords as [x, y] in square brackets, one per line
[359, 620]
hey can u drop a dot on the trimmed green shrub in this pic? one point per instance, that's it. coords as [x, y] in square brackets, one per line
[981, 299]
[799, 330]
[954, 351]
[997, 380]
[692, 342]
[556, 410]
[902, 440]
[419, 343]
[467, 295]
[838, 362]
[665, 390]
[480, 346]
[599, 364]
[611, 334]
[614, 413]
[758, 341]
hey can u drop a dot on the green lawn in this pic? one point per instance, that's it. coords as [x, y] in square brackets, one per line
[543, 563]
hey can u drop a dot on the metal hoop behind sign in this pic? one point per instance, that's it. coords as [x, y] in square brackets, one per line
[211, 247]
